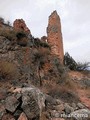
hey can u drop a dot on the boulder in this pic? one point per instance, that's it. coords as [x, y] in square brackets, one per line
[11, 103]
[8, 117]
[22, 117]
[32, 102]
[2, 110]
[68, 109]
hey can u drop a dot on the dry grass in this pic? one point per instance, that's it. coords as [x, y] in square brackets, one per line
[8, 70]
[65, 91]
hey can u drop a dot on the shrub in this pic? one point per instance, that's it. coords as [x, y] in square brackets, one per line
[39, 59]
[83, 66]
[73, 65]
[8, 33]
[1, 20]
[39, 43]
[69, 62]
[22, 42]
[20, 35]
[7, 70]
[63, 93]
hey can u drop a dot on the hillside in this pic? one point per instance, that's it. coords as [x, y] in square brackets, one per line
[34, 82]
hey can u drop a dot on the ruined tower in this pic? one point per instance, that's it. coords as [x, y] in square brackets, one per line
[19, 24]
[54, 35]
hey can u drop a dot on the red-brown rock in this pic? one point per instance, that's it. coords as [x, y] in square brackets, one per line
[54, 35]
[19, 24]
[22, 117]
[8, 117]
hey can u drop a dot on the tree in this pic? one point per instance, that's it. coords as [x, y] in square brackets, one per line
[1, 20]
[73, 65]
[69, 62]
[83, 66]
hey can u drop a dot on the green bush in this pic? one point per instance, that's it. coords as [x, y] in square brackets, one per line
[73, 65]
[1, 20]
[39, 43]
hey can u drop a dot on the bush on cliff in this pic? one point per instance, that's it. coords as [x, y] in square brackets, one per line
[8, 70]
[8, 33]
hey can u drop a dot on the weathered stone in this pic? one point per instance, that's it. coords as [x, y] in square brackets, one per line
[17, 113]
[59, 108]
[54, 35]
[80, 106]
[68, 109]
[11, 103]
[22, 117]
[50, 102]
[32, 102]
[8, 117]
[2, 110]
[19, 24]
[74, 106]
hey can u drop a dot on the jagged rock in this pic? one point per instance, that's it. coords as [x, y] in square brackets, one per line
[8, 117]
[17, 113]
[60, 108]
[32, 102]
[50, 102]
[11, 103]
[54, 35]
[19, 24]
[80, 106]
[22, 117]
[68, 109]
[74, 106]
[2, 110]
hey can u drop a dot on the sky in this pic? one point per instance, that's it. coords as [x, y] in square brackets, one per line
[74, 15]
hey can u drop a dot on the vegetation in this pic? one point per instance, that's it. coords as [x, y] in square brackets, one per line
[7, 70]
[73, 65]
[1, 20]
[9, 34]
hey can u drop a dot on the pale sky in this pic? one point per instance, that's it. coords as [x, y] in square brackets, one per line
[75, 21]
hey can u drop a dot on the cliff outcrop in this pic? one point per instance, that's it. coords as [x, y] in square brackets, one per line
[19, 24]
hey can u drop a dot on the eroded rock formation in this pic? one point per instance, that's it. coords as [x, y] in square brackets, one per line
[54, 35]
[19, 24]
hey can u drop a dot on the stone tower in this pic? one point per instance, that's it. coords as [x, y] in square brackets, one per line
[54, 35]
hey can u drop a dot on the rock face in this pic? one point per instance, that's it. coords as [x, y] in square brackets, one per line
[54, 35]
[19, 24]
